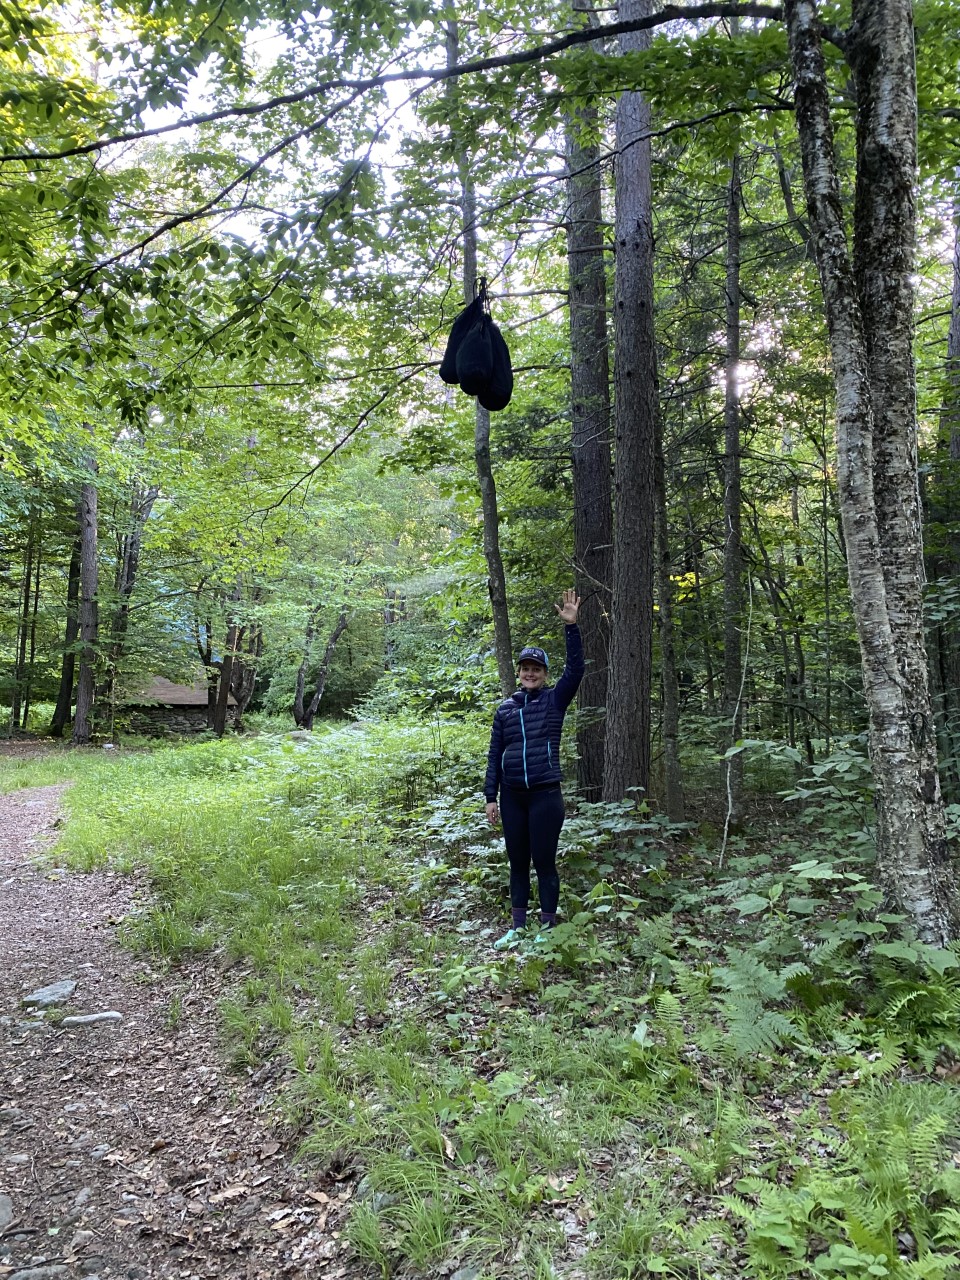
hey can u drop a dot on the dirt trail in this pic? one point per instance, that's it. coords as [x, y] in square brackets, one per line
[126, 1147]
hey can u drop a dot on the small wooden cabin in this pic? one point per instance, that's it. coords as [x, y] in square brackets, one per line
[161, 707]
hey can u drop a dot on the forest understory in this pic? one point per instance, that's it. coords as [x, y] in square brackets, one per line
[725, 1063]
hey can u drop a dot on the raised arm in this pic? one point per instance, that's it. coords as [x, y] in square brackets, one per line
[574, 667]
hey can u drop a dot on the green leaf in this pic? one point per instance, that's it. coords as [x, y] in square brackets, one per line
[751, 903]
[898, 951]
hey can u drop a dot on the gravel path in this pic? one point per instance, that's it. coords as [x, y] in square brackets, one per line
[126, 1147]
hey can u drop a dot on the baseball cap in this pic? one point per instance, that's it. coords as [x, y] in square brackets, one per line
[532, 654]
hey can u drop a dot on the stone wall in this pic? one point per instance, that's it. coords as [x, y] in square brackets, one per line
[155, 722]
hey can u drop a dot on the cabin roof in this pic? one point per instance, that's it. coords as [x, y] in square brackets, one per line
[167, 694]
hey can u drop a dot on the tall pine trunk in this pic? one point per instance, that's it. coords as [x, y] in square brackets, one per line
[869, 306]
[627, 750]
[590, 438]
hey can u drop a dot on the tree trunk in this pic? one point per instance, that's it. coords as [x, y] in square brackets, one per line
[945, 562]
[590, 439]
[732, 542]
[335, 635]
[61, 713]
[869, 305]
[128, 562]
[669, 682]
[203, 635]
[87, 614]
[627, 751]
[496, 579]
[34, 611]
[226, 664]
[299, 693]
[243, 678]
[23, 627]
[393, 610]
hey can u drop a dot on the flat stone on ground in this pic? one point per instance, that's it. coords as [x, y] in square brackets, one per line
[88, 1019]
[42, 1273]
[6, 1212]
[46, 997]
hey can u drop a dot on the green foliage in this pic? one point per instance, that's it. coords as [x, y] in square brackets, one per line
[680, 1080]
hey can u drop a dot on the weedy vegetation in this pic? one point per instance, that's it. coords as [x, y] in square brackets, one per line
[714, 1067]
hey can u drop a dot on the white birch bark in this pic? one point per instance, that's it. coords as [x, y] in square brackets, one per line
[876, 436]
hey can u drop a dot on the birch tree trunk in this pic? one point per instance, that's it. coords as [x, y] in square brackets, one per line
[590, 438]
[87, 614]
[636, 408]
[869, 300]
[945, 561]
[496, 578]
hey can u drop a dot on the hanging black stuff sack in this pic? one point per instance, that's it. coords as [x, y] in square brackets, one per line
[465, 321]
[496, 394]
[475, 358]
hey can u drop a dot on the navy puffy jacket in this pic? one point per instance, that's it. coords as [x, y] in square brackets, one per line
[525, 742]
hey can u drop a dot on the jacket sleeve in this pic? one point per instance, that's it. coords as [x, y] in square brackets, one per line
[491, 784]
[573, 669]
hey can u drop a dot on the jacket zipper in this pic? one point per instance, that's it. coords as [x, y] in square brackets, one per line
[523, 729]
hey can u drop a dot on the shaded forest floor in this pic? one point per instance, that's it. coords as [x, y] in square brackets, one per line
[728, 1060]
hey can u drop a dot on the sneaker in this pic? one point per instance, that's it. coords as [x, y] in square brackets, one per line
[509, 939]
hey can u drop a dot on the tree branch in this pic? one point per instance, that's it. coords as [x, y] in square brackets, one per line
[671, 13]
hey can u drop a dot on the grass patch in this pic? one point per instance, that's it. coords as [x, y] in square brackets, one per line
[699, 1074]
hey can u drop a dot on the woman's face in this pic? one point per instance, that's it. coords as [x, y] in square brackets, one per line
[532, 675]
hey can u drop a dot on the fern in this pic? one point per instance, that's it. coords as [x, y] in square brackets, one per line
[745, 973]
[670, 1019]
[931, 1267]
[694, 987]
[948, 1226]
[751, 1029]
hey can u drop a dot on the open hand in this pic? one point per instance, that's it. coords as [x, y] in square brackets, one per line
[569, 608]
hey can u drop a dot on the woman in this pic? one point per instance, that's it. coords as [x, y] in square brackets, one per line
[524, 767]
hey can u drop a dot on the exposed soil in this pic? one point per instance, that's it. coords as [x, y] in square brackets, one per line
[127, 1147]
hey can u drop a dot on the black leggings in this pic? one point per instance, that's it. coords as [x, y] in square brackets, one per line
[531, 828]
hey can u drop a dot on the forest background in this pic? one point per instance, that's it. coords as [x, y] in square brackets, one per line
[233, 240]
